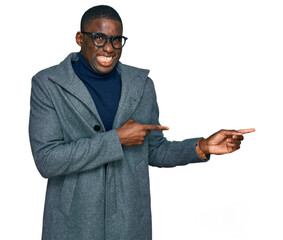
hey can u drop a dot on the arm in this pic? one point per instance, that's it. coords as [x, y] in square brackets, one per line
[164, 153]
[52, 154]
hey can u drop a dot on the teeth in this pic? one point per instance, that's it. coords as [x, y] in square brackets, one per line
[104, 59]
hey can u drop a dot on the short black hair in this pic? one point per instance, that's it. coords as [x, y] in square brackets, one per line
[100, 11]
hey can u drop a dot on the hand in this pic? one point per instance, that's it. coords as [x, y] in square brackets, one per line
[133, 133]
[223, 141]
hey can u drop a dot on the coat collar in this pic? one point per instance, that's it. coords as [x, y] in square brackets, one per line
[133, 83]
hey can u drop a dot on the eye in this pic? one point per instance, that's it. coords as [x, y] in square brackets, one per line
[117, 39]
[99, 38]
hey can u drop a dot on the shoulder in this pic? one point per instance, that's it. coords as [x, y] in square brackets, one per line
[62, 70]
[127, 67]
[138, 77]
[63, 65]
[44, 73]
[132, 71]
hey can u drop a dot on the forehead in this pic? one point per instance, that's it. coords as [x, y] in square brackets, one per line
[104, 25]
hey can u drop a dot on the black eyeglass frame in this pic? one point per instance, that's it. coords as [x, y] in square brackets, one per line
[107, 37]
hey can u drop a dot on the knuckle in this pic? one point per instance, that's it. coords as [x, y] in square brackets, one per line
[143, 134]
[141, 138]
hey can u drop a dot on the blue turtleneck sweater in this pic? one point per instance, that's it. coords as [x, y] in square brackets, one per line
[105, 90]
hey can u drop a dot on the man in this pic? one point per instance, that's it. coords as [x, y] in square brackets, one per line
[94, 130]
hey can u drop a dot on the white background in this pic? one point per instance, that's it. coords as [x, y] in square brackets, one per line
[215, 64]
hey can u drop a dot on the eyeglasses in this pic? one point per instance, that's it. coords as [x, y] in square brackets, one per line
[100, 39]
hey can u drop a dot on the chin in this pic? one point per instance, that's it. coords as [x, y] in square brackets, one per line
[103, 69]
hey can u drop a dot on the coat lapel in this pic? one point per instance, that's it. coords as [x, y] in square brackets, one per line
[133, 83]
[65, 76]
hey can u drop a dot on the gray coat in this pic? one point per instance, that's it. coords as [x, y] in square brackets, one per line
[97, 189]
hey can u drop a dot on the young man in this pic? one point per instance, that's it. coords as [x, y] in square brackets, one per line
[94, 130]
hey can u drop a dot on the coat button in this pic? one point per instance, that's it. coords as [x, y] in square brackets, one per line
[96, 128]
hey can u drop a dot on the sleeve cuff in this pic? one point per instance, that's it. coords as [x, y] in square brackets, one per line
[201, 155]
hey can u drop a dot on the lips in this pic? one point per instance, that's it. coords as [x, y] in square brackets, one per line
[105, 61]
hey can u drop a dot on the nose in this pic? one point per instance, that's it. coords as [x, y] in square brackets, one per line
[108, 46]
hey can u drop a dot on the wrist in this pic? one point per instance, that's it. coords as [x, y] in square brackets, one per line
[203, 146]
[119, 136]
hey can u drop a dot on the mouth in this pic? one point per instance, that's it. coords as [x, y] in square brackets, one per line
[105, 61]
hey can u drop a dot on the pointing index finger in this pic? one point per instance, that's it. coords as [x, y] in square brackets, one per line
[150, 127]
[248, 130]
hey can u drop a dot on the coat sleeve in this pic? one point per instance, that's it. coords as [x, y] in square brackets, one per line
[164, 153]
[53, 156]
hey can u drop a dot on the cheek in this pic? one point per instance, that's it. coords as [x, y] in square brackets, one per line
[88, 48]
[118, 54]
[89, 54]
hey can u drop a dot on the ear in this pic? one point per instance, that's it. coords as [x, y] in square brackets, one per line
[79, 38]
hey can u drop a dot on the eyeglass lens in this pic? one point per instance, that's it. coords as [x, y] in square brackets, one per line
[101, 39]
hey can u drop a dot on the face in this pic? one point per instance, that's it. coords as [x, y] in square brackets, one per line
[101, 59]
